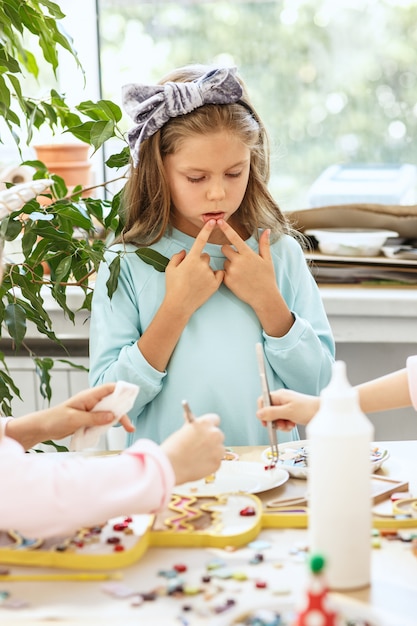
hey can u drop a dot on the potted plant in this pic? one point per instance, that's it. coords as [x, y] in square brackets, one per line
[67, 234]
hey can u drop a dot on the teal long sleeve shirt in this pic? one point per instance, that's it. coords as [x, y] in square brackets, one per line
[214, 363]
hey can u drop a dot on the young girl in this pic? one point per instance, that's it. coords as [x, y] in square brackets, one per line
[197, 194]
[393, 391]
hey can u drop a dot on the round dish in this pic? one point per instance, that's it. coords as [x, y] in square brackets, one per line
[293, 457]
[350, 241]
[236, 477]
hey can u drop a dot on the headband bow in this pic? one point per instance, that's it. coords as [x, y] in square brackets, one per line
[152, 106]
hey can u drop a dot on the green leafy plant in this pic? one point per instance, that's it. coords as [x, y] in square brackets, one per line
[63, 240]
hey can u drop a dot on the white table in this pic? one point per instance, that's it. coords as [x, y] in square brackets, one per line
[393, 589]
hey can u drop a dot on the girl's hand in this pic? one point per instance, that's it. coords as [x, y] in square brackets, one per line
[196, 449]
[64, 419]
[289, 409]
[251, 277]
[190, 281]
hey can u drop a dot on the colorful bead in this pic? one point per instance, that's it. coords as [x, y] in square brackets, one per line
[180, 568]
[119, 548]
[247, 511]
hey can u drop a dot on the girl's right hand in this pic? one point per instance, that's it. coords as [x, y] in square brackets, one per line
[195, 450]
[289, 409]
[190, 281]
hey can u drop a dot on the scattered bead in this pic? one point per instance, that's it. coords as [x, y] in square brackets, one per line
[149, 596]
[255, 560]
[215, 564]
[247, 511]
[191, 590]
[261, 584]
[113, 540]
[180, 568]
[388, 532]
[168, 573]
[121, 526]
[119, 548]
[376, 542]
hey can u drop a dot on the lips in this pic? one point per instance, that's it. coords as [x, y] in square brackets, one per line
[213, 216]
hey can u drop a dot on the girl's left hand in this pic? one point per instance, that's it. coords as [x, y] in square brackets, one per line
[250, 276]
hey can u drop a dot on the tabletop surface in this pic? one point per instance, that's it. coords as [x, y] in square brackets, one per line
[391, 598]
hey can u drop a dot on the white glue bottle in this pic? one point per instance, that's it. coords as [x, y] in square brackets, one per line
[339, 484]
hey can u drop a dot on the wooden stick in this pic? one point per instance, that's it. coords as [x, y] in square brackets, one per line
[188, 414]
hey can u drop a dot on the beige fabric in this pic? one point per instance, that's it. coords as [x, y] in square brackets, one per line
[399, 218]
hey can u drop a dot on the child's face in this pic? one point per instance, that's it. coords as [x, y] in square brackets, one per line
[207, 177]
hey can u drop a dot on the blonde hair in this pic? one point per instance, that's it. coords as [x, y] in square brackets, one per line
[146, 197]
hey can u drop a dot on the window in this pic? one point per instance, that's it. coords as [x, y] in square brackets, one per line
[335, 81]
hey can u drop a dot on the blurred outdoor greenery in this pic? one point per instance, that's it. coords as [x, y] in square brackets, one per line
[335, 81]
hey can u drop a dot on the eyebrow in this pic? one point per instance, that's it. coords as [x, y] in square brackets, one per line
[199, 169]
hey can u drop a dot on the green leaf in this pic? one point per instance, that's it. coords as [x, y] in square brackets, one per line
[101, 110]
[119, 160]
[43, 367]
[63, 270]
[12, 227]
[94, 133]
[15, 320]
[154, 258]
[114, 269]
[28, 239]
[76, 366]
[54, 444]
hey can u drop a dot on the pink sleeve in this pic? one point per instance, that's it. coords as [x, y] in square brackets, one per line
[412, 378]
[54, 494]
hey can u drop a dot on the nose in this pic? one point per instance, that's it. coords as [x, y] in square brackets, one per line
[216, 191]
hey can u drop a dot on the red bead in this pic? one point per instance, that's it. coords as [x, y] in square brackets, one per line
[119, 547]
[128, 520]
[113, 540]
[120, 526]
[247, 512]
[260, 584]
[180, 568]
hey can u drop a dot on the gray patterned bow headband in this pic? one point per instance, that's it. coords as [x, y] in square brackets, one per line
[152, 106]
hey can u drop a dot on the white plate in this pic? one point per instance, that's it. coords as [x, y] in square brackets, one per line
[300, 470]
[239, 476]
[351, 241]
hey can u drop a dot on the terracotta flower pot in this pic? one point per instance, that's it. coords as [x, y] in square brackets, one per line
[67, 160]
